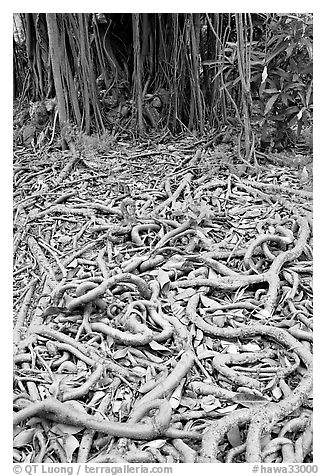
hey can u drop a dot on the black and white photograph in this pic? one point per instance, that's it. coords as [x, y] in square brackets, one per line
[162, 255]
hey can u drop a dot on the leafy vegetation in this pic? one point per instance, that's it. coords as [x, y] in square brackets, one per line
[284, 73]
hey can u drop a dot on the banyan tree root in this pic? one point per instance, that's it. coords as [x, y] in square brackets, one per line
[64, 413]
[236, 281]
[98, 291]
[53, 409]
[263, 418]
[159, 312]
[170, 382]
[260, 420]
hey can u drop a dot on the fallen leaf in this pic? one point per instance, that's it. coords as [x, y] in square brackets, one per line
[163, 280]
[251, 347]
[212, 275]
[24, 438]
[250, 400]
[188, 402]
[185, 294]
[176, 395]
[277, 393]
[218, 321]
[73, 264]
[117, 404]
[120, 353]
[208, 302]
[198, 338]
[234, 436]
[263, 314]
[203, 353]
[209, 403]
[271, 383]
[157, 346]
[139, 371]
[70, 444]
[173, 262]
[62, 428]
[153, 357]
[153, 444]
[54, 311]
[228, 409]
[232, 349]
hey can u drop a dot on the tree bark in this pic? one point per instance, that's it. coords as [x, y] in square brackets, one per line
[56, 59]
[137, 71]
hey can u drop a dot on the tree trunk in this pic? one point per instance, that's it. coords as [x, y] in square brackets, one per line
[56, 60]
[138, 72]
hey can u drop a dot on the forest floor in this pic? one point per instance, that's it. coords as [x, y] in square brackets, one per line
[162, 305]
